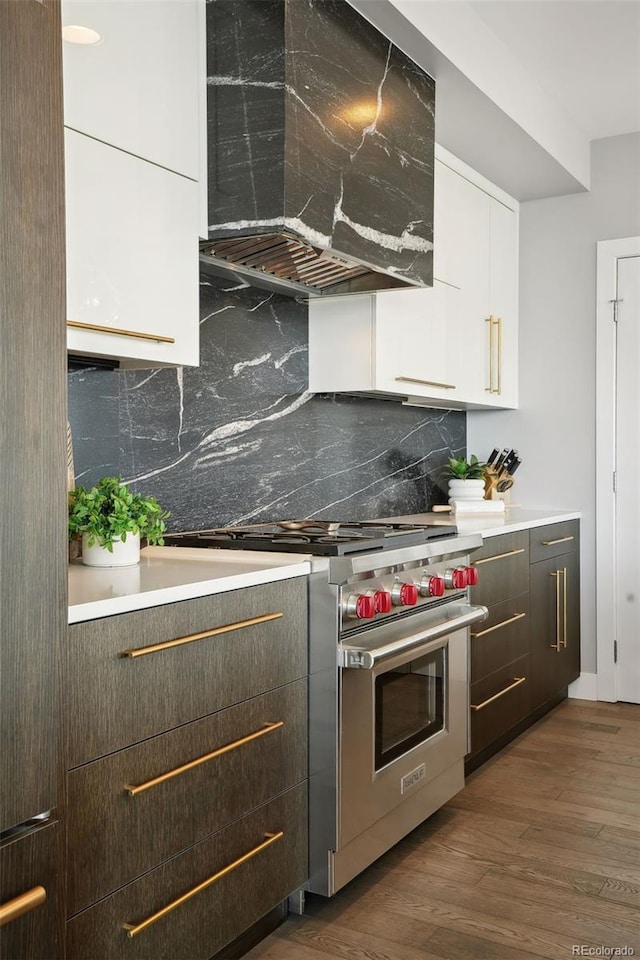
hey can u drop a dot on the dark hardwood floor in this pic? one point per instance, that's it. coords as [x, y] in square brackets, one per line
[537, 857]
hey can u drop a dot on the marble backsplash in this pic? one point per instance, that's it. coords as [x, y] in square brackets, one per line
[240, 439]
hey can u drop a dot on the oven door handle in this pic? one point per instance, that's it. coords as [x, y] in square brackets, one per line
[361, 658]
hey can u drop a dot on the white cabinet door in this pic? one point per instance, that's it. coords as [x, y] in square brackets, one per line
[393, 343]
[132, 256]
[481, 255]
[138, 88]
[504, 303]
[411, 338]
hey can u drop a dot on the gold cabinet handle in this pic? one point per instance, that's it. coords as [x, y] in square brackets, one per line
[133, 791]
[497, 626]
[551, 543]
[498, 556]
[557, 646]
[157, 337]
[134, 929]
[564, 607]
[489, 320]
[427, 383]
[485, 703]
[499, 390]
[180, 641]
[497, 350]
[12, 909]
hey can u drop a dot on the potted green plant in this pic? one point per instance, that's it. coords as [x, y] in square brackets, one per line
[111, 519]
[467, 478]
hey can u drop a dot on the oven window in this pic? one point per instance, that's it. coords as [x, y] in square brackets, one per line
[409, 705]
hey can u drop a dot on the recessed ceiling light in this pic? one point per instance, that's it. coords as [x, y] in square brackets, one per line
[76, 34]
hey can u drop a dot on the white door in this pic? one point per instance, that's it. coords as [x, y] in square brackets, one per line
[627, 599]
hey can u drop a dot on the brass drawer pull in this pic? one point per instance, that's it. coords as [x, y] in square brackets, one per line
[133, 791]
[12, 909]
[485, 703]
[498, 556]
[499, 390]
[503, 623]
[180, 641]
[564, 614]
[561, 609]
[157, 337]
[551, 543]
[134, 929]
[494, 322]
[427, 383]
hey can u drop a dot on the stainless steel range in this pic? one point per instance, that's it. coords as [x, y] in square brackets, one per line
[389, 618]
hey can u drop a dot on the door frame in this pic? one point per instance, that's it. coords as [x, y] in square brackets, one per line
[608, 254]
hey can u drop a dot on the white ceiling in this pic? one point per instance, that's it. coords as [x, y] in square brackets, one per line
[584, 53]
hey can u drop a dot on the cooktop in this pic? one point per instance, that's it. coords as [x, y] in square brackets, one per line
[317, 537]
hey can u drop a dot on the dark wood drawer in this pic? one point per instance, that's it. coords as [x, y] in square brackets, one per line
[503, 568]
[554, 539]
[204, 923]
[115, 699]
[501, 638]
[29, 878]
[498, 702]
[114, 837]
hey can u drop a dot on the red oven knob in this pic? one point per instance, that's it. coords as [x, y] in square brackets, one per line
[359, 606]
[404, 594]
[431, 586]
[382, 601]
[456, 579]
[472, 576]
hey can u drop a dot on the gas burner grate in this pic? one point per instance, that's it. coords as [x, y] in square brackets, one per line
[336, 540]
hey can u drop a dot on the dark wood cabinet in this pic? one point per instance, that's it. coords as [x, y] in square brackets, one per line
[555, 624]
[499, 655]
[238, 644]
[501, 638]
[503, 568]
[33, 608]
[498, 702]
[29, 884]
[182, 760]
[241, 875]
[527, 652]
[115, 835]
[33, 404]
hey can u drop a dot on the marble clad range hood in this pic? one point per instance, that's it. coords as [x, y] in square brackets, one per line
[321, 140]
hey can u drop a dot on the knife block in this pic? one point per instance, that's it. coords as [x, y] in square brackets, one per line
[494, 479]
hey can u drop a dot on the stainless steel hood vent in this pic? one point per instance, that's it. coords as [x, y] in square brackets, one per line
[321, 137]
[279, 261]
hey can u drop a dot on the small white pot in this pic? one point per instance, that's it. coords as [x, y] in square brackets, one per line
[466, 490]
[126, 553]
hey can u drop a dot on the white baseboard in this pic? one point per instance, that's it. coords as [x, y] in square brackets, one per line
[585, 687]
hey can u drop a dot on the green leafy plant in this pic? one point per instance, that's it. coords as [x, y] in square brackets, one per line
[109, 511]
[462, 469]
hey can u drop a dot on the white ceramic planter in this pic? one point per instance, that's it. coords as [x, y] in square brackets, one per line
[466, 490]
[126, 553]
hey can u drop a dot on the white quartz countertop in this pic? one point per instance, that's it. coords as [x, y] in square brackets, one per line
[168, 574]
[492, 524]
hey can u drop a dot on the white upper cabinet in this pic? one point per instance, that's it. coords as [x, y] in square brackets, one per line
[132, 257]
[480, 238]
[138, 87]
[392, 343]
[453, 345]
[134, 137]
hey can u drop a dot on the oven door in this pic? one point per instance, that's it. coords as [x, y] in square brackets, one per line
[403, 718]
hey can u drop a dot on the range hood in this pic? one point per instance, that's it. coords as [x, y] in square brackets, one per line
[320, 150]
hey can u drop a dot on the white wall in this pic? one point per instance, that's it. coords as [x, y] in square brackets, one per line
[554, 429]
